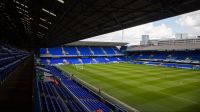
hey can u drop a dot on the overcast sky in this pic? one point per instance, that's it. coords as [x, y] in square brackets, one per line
[186, 23]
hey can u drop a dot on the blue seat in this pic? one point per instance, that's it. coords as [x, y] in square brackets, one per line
[6, 60]
[101, 60]
[9, 61]
[56, 60]
[70, 50]
[52, 91]
[87, 60]
[3, 55]
[169, 64]
[73, 60]
[84, 50]
[97, 50]
[109, 50]
[55, 51]
[117, 50]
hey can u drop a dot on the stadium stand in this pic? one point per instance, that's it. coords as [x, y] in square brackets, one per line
[56, 60]
[65, 94]
[160, 55]
[55, 51]
[10, 57]
[197, 67]
[185, 66]
[109, 50]
[33, 24]
[73, 60]
[84, 50]
[153, 63]
[97, 50]
[169, 64]
[186, 59]
[53, 98]
[70, 50]
[101, 60]
[113, 59]
[43, 51]
[16, 79]
[87, 60]
[81, 55]
[163, 55]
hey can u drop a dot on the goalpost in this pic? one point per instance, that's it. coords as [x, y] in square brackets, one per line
[79, 66]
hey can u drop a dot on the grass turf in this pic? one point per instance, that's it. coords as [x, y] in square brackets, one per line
[146, 88]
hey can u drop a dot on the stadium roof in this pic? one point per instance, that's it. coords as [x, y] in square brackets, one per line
[172, 47]
[45, 23]
[93, 43]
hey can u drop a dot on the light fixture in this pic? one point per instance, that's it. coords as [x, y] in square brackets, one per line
[48, 12]
[45, 20]
[17, 2]
[39, 33]
[61, 1]
[43, 26]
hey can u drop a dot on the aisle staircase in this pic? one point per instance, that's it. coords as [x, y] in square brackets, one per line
[65, 61]
[118, 59]
[80, 60]
[114, 50]
[94, 60]
[107, 59]
[63, 51]
[47, 51]
[91, 51]
[48, 61]
[78, 52]
[104, 51]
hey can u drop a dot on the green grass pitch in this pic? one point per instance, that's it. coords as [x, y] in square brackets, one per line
[146, 88]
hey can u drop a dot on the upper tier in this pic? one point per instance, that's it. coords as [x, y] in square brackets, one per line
[79, 51]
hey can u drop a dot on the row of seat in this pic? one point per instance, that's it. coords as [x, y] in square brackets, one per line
[83, 60]
[55, 98]
[80, 50]
[163, 55]
[50, 92]
[10, 57]
[86, 98]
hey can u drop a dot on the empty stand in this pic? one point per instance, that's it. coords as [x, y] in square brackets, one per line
[80, 55]
[16, 91]
[9, 59]
[109, 50]
[97, 50]
[70, 50]
[73, 60]
[84, 50]
[163, 55]
[187, 59]
[65, 96]
[56, 51]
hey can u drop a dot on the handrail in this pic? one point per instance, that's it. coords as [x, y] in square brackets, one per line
[78, 100]
[38, 93]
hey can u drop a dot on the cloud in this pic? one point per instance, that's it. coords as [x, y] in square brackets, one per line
[133, 35]
[190, 21]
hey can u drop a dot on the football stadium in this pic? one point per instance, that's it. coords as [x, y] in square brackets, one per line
[46, 66]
